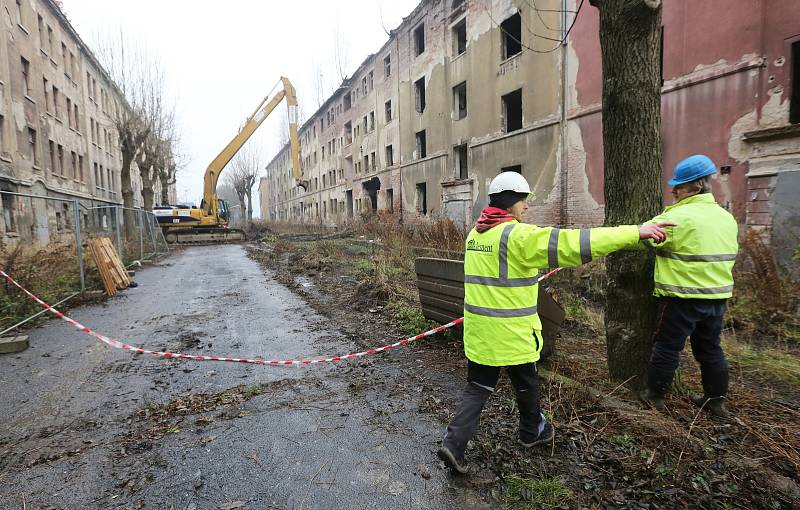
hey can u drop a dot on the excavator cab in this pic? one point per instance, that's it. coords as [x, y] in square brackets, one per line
[222, 210]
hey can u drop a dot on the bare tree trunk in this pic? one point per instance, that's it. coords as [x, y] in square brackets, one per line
[630, 40]
[249, 215]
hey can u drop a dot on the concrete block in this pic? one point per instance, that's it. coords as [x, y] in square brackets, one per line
[11, 344]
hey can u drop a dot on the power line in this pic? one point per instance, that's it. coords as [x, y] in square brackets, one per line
[523, 45]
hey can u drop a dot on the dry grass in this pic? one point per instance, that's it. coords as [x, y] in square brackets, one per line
[49, 272]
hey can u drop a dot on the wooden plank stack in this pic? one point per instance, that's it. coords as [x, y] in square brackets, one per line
[112, 272]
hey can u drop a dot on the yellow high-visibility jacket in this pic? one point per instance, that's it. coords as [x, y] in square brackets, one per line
[696, 261]
[501, 267]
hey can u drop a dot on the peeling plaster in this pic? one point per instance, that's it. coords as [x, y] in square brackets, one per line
[576, 162]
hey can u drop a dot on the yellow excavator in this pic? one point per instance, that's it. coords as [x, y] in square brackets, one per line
[209, 222]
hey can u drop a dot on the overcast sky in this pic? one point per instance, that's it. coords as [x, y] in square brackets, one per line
[222, 58]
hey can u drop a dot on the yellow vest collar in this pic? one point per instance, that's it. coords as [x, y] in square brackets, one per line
[700, 198]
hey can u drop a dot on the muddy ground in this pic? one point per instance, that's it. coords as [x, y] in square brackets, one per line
[85, 426]
[609, 452]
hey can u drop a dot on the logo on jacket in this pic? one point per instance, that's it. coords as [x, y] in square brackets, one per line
[473, 245]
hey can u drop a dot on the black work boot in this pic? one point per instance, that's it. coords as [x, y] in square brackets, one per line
[658, 382]
[715, 387]
[533, 427]
[463, 426]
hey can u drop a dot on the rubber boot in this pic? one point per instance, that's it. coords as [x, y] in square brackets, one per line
[715, 387]
[658, 382]
[463, 426]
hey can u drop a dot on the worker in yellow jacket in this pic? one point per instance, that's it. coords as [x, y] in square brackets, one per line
[502, 261]
[693, 281]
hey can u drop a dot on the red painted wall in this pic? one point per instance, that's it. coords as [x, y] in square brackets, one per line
[696, 118]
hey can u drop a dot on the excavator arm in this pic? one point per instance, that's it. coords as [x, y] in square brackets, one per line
[252, 123]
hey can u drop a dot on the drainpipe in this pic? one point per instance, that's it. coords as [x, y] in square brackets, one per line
[563, 216]
[399, 127]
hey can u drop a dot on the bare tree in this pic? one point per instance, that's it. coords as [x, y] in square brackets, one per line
[341, 52]
[629, 40]
[243, 175]
[139, 79]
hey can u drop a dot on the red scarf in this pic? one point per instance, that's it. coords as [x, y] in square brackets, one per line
[491, 216]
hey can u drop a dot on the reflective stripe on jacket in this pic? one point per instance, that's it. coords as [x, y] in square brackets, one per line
[696, 261]
[501, 266]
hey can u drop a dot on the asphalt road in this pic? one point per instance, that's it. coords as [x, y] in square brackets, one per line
[87, 426]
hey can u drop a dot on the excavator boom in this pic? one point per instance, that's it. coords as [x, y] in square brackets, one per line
[210, 222]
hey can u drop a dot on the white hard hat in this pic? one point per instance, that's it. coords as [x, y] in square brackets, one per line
[509, 181]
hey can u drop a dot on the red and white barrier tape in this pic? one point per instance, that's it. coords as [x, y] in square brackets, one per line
[258, 361]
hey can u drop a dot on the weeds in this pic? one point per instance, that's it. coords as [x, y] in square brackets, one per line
[525, 493]
[409, 317]
[764, 361]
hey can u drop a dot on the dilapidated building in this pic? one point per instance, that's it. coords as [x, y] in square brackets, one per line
[57, 134]
[464, 89]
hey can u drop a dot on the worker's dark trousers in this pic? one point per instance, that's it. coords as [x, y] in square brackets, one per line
[481, 382]
[701, 320]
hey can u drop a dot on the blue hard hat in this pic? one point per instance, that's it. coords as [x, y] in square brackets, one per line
[691, 169]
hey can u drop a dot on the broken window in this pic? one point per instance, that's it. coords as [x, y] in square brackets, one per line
[69, 111]
[56, 101]
[460, 153]
[50, 39]
[61, 160]
[41, 32]
[364, 85]
[387, 66]
[46, 87]
[511, 35]
[67, 219]
[389, 155]
[794, 95]
[421, 201]
[460, 101]
[421, 147]
[512, 168]
[347, 101]
[390, 200]
[387, 109]
[80, 168]
[371, 80]
[33, 146]
[64, 59]
[372, 121]
[74, 161]
[419, 39]
[512, 111]
[366, 162]
[75, 115]
[419, 94]
[460, 37]
[52, 157]
[26, 72]
[348, 132]
[374, 162]
[365, 125]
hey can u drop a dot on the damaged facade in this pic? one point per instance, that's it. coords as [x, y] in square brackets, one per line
[464, 89]
[57, 135]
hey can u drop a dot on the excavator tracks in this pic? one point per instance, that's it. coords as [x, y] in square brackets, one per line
[205, 236]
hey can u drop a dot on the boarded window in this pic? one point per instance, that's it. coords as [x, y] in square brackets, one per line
[511, 30]
[512, 111]
[390, 200]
